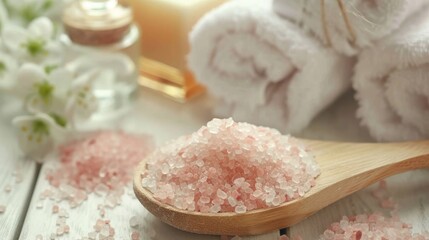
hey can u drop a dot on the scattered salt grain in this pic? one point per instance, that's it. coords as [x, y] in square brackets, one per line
[227, 166]
[101, 163]
[374, 226]
[134, 222]
[135, 236]
[39, 205]
[53, 236]
[283, 237]
[7, 188]
[55, 209]
[2, 209]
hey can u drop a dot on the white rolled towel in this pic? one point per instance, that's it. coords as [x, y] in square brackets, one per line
[264, 68]
[359, 24]
[392, 83]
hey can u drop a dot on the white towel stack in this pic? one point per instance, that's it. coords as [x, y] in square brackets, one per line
[392, 83]
[349, 25]
[265, 69]
[282, 69]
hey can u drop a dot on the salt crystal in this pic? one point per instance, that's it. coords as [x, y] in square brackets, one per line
[60, 230]
[228, 164]
[215, 208]
[55, 209]
[232, 201]
[135, 236]
[7, 188]
[53, 236]
[102, 162]
[221, 194]
[2, 209]
[39, 237]
[284, 237]
[105, 230]
[92, 235]
[373, 226]
[205, 199]
[39, 205]
[66, 228]
[134, 222]
[240, 209]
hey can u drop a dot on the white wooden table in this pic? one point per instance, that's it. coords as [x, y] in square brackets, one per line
[26, 216]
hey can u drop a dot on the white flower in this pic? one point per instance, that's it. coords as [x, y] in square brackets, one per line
[35, 44]
[113, 76]
[8, 67]
[45, 89]
[57, 91]
[81, 102]
[37, 134]
[3, 15]
[28, 10]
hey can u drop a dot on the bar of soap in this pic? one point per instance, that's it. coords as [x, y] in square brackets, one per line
[230, 167]
[164, 26]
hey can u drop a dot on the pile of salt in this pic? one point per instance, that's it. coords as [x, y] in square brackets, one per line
[230, 167]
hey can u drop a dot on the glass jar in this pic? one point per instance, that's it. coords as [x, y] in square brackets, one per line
[98, 27]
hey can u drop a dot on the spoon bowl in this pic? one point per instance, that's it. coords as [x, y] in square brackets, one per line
[345, 169]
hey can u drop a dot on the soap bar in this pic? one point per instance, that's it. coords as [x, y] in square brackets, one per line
[165, 25]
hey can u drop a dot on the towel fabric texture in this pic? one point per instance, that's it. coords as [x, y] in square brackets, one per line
[265, 69]
[392, 83]
[367, 21]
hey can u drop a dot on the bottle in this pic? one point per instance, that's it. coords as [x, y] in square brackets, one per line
[103, 27]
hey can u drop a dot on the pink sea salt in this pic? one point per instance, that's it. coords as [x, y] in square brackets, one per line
[101, 163]
[230, 167]
[371, 227]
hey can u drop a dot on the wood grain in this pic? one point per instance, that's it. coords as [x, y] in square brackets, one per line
[17, 199]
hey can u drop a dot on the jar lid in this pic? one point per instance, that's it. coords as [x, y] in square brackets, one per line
[93, 22]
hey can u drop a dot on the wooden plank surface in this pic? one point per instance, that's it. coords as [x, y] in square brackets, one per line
[156, 116]
[18, 175]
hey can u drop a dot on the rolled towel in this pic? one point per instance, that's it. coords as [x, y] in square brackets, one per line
[348, 25]
[392, 83]
[265, 69]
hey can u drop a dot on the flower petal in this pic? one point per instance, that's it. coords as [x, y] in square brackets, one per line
[34, 134]
[62, 79]
[8, 68]
[3, 15]
[28, 75]
[13, 37]
[41, 27]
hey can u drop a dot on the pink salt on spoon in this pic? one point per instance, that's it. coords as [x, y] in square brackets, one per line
[345, 168]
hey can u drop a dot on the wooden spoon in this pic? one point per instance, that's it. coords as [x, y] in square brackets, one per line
[345, 169]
